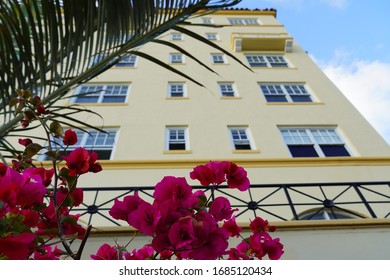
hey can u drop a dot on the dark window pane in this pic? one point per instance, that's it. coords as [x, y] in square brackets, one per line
[242, 146]
[114, 99]
[334, 150]
[275, 98]
[258, 64]
[302, 151]
[87, 99]
[177, 146]
[301, 98]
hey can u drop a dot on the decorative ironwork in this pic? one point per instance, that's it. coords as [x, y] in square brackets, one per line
[275, 202]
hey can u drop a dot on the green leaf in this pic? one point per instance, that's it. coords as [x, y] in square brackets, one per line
[70, 180]
[32, 149]
[56, 128]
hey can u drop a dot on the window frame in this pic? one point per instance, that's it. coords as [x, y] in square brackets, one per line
[308, 138]
[221, 58]
[267, 60]
[286, 91]
[223, 92]
[100, 93]
[127, 61]
[207, 20]
[83, 137]
[168, 140]
[248, 142]
[172, 85]
[212, 36]
[176, 36]
[172, 59]
[244, 21]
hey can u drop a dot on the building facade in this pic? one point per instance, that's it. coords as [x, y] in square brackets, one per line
[318, 169]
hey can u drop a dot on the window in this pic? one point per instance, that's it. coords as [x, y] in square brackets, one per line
[212, 36]
[243, 21]
[314, 142]
[176, 36]
[240, 138]
[328, 214]
[176, 58]
[256, 60]
[128, 61]
[207, 20]
[227, 89]
[176, 90]
[101, 94]
[101, 143]
[285, 93]
[177, 138]
[218, 58]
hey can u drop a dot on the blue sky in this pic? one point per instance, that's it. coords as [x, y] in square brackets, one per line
[350, 41]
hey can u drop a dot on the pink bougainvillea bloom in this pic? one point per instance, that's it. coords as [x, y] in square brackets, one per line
[17, 247]
[70, 137]
[173, 190]
[236, 177]
[232, 228]
[274, 249]
[94, 166]
[211, 173]
[41, 110]
[106, 252]
[213, 247]
[25, 142]
[78, 161]
[30, 218]
[261, 244]
[121, 209]
[144, 253]
[181, 233]
[220, 209]
[40, 174]
[145, 218]
[77, 196]
[3, 169]
[259, 225]
[47, 253]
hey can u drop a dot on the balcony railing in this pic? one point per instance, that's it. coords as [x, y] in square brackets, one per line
[275, 202]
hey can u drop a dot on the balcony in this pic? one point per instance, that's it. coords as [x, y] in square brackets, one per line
[262, 42]
[276, 203]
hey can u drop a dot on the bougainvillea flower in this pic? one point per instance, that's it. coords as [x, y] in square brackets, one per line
[78, 161]
[211, 173]
[236, 177]
[232, 228]
[106, 252]
[39, 174]
[259, 225]
[25, 142]
[174, 190]
[220, 209]
[145, 218]
[17, 247]
[47, 253]
[144, 253]
[181, 233]
[70, 138]
[94, 166]
[273, 248]
[261, 244]
[75, 198]
[121, 209]
[213, 247]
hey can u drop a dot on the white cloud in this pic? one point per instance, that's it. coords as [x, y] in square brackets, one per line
[367, 85]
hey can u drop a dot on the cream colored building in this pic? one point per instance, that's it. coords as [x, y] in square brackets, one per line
[277, 115]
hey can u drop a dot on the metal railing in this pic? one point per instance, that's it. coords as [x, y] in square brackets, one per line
[275, 202]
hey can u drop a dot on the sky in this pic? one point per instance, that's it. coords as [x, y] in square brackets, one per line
[350, 42]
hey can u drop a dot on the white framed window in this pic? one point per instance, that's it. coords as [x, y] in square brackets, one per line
[241, 139]
[100, 142]
[177, 138]
[127, 61]
[176, 36]
[207, 20]
[176, 58]
[291, 92]
[212, 36]
[227, 89]
[314, 142]
[243, 21]
[272, 61]
[176, 90]
[218, 58]
[94, 93]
